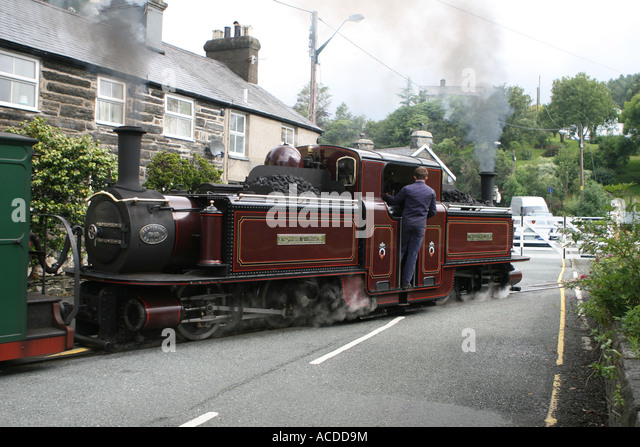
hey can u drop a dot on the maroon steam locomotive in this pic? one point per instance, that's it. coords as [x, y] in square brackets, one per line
[326, 247]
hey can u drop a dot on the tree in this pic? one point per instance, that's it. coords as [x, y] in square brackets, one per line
[521, 125]
[624, 88]
[395, 130]
[344, 129]
[322, 106]
[615, 152]
[583, 104]
[409, 98]
[631, 117]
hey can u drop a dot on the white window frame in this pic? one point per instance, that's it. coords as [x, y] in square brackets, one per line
[235, 135]
[287, 132]
[121, 102]
[180, 116]
[13, 78]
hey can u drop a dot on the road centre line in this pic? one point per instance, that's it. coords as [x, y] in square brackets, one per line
[355, 342]
[200, 419]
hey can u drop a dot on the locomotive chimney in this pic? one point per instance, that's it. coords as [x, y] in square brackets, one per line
[129, 144]
[486, 186]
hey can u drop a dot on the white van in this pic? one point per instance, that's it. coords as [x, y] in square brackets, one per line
[532, 219]
[527, 205]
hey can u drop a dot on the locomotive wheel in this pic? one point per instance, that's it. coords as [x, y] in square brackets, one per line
[454, 295]
[203, 330]
[273, 295]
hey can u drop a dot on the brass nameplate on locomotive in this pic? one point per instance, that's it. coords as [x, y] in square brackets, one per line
[479, 237]
[302, 239]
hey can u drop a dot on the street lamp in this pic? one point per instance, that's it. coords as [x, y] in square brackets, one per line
[313, 95]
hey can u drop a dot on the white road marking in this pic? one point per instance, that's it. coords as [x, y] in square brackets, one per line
[200, 419]
[355, 342]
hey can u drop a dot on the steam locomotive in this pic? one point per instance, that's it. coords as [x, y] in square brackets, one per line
[307, 237]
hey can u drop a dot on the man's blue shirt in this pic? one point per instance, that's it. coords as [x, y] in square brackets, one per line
[419, 203]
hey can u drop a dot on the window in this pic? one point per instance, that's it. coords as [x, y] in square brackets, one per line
[110, 102]
[178, 117]
[237, 134]
[18, 81]
[288, 135]
[346, 171]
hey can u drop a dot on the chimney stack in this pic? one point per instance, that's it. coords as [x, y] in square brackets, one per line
[421, 137]
[363, 143]
[137, 23]
[238, 52]
[154, 10]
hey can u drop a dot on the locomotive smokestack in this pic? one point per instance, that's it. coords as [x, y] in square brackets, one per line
[486, 186]
[129, 144]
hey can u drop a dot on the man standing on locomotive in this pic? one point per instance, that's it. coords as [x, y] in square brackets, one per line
[419, 203]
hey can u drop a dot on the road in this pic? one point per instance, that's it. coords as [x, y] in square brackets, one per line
[519, 360]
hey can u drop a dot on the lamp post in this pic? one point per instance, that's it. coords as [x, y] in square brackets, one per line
[313, 94]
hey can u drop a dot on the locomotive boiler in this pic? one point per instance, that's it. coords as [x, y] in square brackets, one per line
[306, 237]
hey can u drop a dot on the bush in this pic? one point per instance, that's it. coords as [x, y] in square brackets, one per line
[613, 283]
[66, 172]
[169, 171]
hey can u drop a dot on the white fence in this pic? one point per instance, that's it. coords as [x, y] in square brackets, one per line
[557, 236]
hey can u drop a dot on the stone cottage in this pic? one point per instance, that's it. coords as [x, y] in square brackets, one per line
[89, 75]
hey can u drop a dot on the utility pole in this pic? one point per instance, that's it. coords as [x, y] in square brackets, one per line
[314, 63]
[581, 130]
[313, 41]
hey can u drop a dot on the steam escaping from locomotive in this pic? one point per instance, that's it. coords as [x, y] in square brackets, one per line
[486, 117]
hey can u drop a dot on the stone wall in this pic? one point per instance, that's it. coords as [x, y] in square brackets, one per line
[623, 392]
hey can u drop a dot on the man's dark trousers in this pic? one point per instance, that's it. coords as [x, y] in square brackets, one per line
[412, 237]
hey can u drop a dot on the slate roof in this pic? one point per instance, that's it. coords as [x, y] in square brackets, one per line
[48, 31]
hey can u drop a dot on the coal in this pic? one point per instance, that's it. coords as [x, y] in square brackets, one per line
[280, 183]
[456, 196]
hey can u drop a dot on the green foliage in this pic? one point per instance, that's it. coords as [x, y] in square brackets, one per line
[624, 88]
[323, 101]
[581, 102]
[521, 124]
[594, 202]
[66, 171]
[169, 171]
[631, 117]
[613, 283]
[344, 129]
[615, 152]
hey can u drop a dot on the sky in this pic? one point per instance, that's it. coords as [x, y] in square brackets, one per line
[366, 66]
